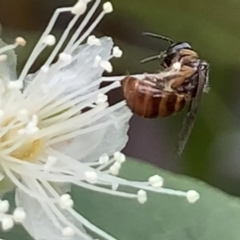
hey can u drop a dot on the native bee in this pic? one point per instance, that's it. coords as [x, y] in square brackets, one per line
[182, 80]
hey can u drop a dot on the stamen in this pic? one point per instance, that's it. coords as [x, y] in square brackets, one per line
[79, 8]
[142, 196]
[67, 58]
[56, 211]
[101, 98]
[117, 52]
[39, 46]
[119, 157]
[7, 223]
[115, 168]
[66, 201]
[68, 232]
[49, 40]
[19, 41]
[89, 225]
[92, 40]
[91, 177]
[156, 181]
[106, 65]
[81, 26]
[19, 215]
[4, 206]
[107, 7]
[192, 196]
[104, 158]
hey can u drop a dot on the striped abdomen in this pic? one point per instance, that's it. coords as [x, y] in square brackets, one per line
[148, 101]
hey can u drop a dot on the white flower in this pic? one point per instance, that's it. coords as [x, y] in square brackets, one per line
[57, 129]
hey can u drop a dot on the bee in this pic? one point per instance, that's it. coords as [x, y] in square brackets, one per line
[182, 80]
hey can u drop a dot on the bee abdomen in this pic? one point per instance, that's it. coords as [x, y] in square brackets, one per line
[148, 101]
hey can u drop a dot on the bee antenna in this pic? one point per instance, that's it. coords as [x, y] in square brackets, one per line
[159, 57]
[158, 36]
[149, 59]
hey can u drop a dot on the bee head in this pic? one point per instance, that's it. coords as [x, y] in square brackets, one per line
[172, 51]
[166, 57]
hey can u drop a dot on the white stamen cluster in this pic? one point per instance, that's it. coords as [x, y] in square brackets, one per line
[55, 124]
[8, 220]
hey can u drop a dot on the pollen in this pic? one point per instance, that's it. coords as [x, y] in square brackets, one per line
[21, 146]
[29, 151]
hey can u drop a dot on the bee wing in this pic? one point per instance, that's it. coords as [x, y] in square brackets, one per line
[189, 120]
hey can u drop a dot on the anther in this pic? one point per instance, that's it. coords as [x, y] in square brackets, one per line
[68, 232]
[104, 158]
[19, 41]
[49, 40]
[91, 177]
[101, 98]
[117, 52]
[19, 215]
[65, 57]
[192, 196]
[92, 40]
[4, 206]
[106, 65]
[107, 7]
[156, 181]
[66, 201]
[79, 8]
[7, 223]
[119, 157]
[142, 196]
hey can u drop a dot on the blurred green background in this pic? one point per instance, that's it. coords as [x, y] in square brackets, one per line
[212, 28]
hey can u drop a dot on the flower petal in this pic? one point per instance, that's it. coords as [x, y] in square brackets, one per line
[81, 71]
[90, 146]
[37, 223]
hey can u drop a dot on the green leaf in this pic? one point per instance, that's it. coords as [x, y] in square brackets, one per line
[215, 216]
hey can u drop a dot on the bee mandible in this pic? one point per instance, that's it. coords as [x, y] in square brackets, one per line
[182, 80]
